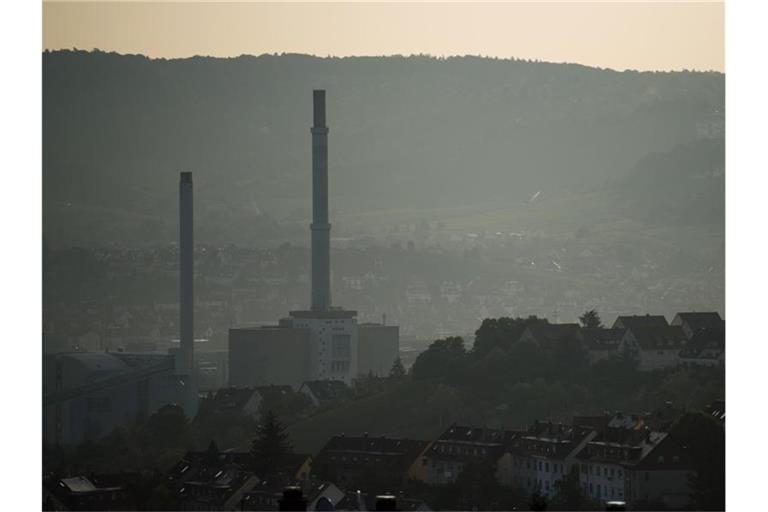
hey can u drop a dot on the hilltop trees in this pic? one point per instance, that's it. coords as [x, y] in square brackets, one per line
[501, 332]
[443, 358]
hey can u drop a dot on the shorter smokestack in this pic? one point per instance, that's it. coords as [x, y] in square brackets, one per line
[185, 355]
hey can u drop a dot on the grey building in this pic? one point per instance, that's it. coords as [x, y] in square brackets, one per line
[378, 347]
[268, 355]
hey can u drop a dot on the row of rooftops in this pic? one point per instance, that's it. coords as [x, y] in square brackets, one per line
[694, 332]
[216, 477]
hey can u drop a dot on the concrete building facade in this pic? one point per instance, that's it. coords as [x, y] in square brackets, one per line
[378, 347]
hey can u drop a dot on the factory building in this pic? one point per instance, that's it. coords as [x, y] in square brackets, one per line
[330, 334]
[264, 355]
[87, 394]
[377, 348]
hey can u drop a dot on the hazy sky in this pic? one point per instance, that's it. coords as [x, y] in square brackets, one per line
[659, 35]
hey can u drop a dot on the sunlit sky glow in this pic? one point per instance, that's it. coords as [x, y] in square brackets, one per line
[662, 35]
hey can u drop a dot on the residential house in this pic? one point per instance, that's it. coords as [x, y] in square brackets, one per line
[548, 335]
[216, 488]
[366, 461]
[628, 321]
[321, 392]
[445, 458]
[601, 343]
[247, 401]
[537, 459]
[654, 347]
[268, 493]
[629, 461]
[705, 348]
[83, 493]
[694, 321]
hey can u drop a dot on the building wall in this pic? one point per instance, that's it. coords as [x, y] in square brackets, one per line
[269, 355]
[655, 359]
[531, 473]
[378, 348]
[333, 347]
[95, 414]
[666, 486]
[604, 481]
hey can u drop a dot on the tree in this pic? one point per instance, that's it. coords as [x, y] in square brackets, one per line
[569, 495]
[442, 358]
[501, 332]
[398, 370]
[538, 502]
[591, 320]
[270, 446]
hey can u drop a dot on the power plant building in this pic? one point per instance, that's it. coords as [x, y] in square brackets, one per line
[88, 394]
[377, 348]
[331, 335]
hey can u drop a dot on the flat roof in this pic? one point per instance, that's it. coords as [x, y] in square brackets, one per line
[330, 313]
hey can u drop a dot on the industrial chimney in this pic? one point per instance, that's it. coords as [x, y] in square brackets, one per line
[321, 229]
[186, 262]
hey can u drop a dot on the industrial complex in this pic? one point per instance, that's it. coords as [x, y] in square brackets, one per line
[87, 394]
[323, 342]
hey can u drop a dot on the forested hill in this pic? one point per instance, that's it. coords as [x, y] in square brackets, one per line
[405, 132]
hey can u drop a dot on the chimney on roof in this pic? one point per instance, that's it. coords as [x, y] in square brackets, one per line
[386, 502]
[185, 355]
[293, 499]
[320, 228]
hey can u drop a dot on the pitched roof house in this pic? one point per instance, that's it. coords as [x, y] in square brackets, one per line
[654, 347]
[694, 321]
[706, 347]
[325, 391]
[601, 343]
[629, 321]
[445, 458]
[366, 461]
[537, 459]
[550, 335]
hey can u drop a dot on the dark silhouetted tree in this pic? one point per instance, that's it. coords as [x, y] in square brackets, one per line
[270, 446]
[569, 495]
[442, 358]
[538, 502]
[591, 320]
[398, 370]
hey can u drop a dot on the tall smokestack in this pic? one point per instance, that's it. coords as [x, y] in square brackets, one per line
[186, 262]
[321, 229]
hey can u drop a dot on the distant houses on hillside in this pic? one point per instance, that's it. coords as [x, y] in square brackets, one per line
[691, 339]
